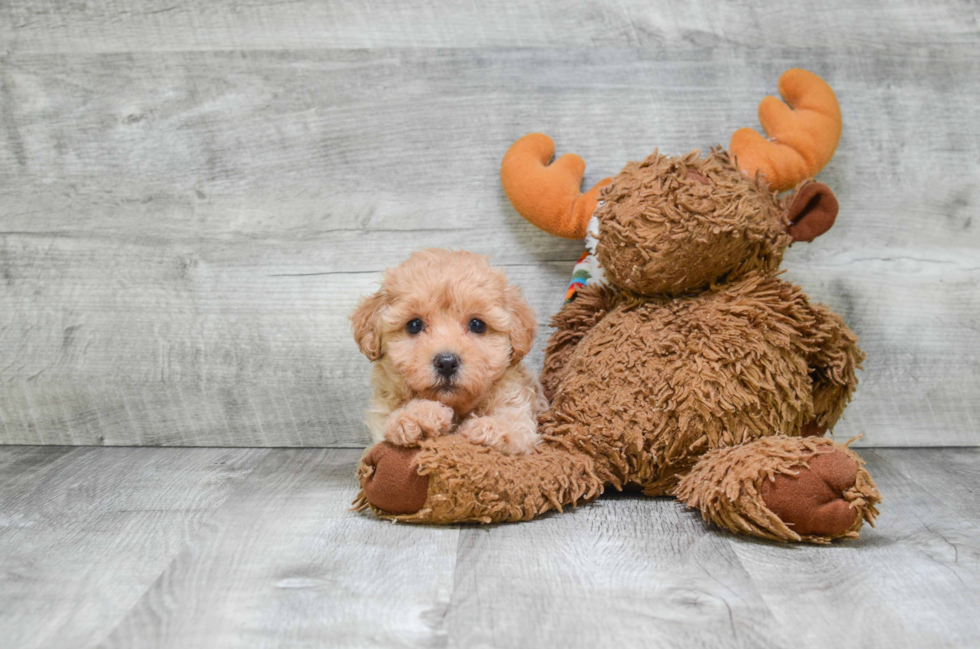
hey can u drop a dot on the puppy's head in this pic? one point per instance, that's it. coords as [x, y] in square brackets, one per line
[445, 325]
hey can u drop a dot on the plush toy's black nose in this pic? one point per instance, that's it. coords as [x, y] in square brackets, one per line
[446, 364]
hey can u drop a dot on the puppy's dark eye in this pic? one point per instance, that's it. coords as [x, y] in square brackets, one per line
[415, 326]
[478, 326]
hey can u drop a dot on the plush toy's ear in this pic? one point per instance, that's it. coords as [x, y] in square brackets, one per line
[548, 194]
[524, 326]
[365, 327]
[812, 212]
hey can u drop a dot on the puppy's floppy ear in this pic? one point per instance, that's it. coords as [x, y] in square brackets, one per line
[364, 324]
[524, 326]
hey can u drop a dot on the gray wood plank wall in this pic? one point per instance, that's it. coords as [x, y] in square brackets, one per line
[192, 198]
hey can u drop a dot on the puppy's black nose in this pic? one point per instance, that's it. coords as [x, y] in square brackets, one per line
[446, 364]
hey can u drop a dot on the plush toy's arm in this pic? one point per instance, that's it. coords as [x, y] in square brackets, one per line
[833, 366]
[575, 319]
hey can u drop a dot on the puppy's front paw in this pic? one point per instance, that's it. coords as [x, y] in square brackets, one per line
[499, 434]
[417, 420]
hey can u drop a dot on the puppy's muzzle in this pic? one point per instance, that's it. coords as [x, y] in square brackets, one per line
[446, 365]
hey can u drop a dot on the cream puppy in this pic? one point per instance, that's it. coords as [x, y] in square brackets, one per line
[446, 334]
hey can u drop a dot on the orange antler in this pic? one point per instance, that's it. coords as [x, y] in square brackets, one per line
[548, 196]
[803, 135]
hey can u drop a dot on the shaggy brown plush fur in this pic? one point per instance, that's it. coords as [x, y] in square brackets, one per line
[693, 373]
[508, 488]
[670, 225]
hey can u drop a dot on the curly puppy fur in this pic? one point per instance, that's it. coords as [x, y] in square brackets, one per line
[491, 399]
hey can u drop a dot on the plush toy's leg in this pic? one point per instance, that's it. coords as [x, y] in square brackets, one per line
[450, 480]
[783, 488]
[571, 324]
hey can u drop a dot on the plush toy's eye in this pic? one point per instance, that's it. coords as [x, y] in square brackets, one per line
[415, 326]
[478, 326]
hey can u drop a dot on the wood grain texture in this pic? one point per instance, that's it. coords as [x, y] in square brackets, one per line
[84, 532]
[286, 564]
[216, 548]
[160, 25]
[950, 475]
[625, 571]
[190, 204]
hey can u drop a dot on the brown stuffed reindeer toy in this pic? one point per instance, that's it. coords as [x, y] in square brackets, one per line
[682, 364]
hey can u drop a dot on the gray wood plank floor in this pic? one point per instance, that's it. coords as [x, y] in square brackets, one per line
[194, 196]
[157, 547]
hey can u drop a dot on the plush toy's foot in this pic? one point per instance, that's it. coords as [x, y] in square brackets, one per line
[450, 480]
[783, 488]
[812, 499]
[390, 480]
